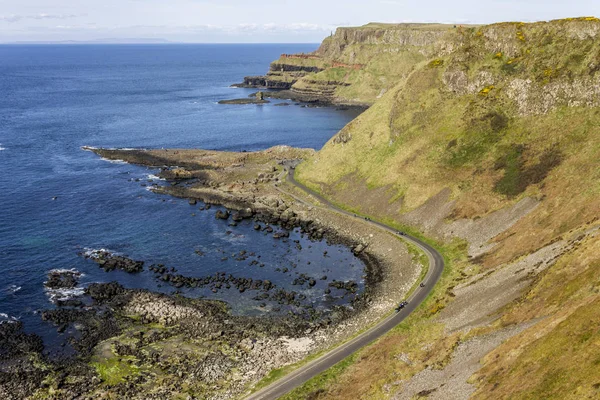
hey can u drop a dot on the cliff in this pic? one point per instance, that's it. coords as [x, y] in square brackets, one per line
[356, 66]
[487, 140]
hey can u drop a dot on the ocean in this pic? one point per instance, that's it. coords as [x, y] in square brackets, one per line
[58, 201]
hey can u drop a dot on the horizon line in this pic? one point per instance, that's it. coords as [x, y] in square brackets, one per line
[67, 42]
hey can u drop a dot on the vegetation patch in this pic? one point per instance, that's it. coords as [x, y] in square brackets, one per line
[518, 176]
[115, 370]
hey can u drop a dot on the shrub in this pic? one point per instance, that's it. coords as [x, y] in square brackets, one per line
[510, 67]
[436, 63]
[486, 90]
[498, 121]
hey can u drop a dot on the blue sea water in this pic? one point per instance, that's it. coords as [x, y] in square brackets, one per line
[56, 99]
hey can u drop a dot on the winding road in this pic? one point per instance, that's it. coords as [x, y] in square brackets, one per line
[328, 360]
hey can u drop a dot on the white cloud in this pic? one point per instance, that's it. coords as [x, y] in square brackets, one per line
[300, 27]
[42, 16]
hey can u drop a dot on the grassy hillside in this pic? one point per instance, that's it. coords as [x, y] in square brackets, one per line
[489, 135]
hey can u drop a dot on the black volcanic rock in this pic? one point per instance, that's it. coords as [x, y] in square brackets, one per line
[62, 279]
[109, 262]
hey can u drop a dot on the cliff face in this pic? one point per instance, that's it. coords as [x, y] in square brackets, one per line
[355, 66]
[487, 139]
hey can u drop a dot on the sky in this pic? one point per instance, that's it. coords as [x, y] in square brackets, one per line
[256, 21]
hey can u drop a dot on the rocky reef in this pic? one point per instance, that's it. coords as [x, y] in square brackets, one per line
[138, 344]
[109, 261]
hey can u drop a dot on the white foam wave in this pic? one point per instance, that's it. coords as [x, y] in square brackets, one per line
[113, 161]
[151, 188]
[5, 318]
[2, 148]
[64, 294]
[155, 178]
[92, 148]
[64, 270]
[96, 253]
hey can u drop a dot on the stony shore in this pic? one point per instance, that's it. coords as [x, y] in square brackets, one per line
[156, 346]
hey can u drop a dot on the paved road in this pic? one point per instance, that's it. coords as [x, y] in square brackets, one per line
[328, 360]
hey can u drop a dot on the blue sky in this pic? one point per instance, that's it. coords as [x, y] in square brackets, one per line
[259, 21]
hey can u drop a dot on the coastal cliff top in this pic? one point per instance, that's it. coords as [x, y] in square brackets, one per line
[448, 26]
[411, 26]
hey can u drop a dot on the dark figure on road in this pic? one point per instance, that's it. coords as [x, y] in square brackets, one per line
[401, 306]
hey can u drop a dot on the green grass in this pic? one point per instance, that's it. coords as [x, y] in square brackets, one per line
[115, 370]
[337, 74]
[421, 259]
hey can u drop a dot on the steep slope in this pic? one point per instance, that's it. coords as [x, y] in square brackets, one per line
[489, 143]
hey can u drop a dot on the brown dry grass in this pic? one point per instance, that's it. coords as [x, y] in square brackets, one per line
[382, 363]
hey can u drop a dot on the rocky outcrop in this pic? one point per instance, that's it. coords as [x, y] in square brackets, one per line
[246, 100]
[109, 261]
[62, 279]
[252, 82]
[284, 72]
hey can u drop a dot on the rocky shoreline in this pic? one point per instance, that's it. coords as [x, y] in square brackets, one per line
[154, 345]
[303, 99]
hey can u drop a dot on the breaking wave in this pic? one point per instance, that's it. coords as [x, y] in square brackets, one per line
[113, 161]
[63, 294]
[154, 177]
[6, 319]
[96, 253]
[11, 289]
[56, 295]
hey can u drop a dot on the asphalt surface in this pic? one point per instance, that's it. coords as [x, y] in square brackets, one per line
[328, 360]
